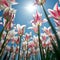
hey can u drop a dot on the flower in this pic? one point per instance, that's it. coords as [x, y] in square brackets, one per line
[49, 33]
[36, 41]
[4, 3]
[43, 39]
[37, 22]
[31, 44]
[24, 45]
[17, 49]
[11, 34]
[9, 13]
[37, 19]
[40, 2]
[34, 28]
[17, 39]
[13, 40]
[55, 13]
[9, 25]
[20, 29]
[43, 36]
[4, 34]
[27, 36]
[47, 30]
[46, 43]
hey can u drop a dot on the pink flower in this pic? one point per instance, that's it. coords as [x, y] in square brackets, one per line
[31, 44]
[40, 2]
[46, 43]
[17, 49]
[9, 25]
[55, 13]
[11, 34]
[37, 19]
[43, 36]
[27, 36]
[8, 14]
[4, 34]
[47, 31]
[18, 40]
[34, 28]
[15, 39]
[4, 2]
[36, 41]
[20, 29]
[57, 23]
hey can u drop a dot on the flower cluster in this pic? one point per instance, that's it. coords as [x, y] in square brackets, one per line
[16, 43]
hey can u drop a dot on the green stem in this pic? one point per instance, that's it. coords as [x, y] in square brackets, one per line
[19, 47]
[11, 50]
[57, 51]
[47, 54]
[4, 58]
[40, 44]
[53, 29]
[3, 45]
[3, 30]
[27, 52]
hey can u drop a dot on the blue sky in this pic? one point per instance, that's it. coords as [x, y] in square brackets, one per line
[24, 17]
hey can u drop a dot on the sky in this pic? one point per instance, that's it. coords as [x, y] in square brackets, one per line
[24, 15]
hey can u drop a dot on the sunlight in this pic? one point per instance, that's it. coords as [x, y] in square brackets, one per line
[30, 7]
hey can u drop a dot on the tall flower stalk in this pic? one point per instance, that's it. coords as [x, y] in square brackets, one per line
[3, 30]
[53, 29]
[7, 38]
[5, 56]
[27, 37]
[8, 16]
[11, 50]
[20, 30]
[19, 48]
[3, 46]
[27, 52]
[37, 22]
[40, 44]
